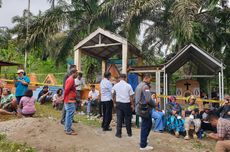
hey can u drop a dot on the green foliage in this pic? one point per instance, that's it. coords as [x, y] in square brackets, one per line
[8, 146]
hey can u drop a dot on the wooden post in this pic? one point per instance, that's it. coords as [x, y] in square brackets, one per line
[103, 67]
[124, 57]
[77, 59]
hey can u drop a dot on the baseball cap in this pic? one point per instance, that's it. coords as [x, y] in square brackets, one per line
[20, 71]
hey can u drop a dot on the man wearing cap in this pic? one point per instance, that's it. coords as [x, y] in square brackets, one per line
[21, 83]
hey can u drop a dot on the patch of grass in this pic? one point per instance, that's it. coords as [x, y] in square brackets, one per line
[7, 146]
[198, 144]
[47, 110]
[83, 119]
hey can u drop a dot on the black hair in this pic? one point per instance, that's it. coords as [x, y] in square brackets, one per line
[146, 75]
[107, 74]
[80, 74]
[46, 87]
[123, 76]
[28, 93]
[212, 115]
[73, 70]
[59, 91]
[92, 86]
[72, 66]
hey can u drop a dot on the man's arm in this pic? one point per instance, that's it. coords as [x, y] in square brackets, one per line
[148, 96]
[214, 136]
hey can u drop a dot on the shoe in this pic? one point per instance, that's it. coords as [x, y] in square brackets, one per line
[147, 148]
[118, 135]
[62, 122]
[107, 129]
[130, 135]
[186, 137]
[71, 133]
[74, 121]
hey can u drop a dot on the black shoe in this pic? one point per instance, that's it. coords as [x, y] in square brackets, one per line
[62, 122]
[107, 129]
[130, 135]
[75, 121]
[118, 135]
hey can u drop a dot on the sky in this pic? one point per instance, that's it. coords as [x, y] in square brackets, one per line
[11, 8]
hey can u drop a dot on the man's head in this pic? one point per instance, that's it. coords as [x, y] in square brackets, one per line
[6, 91]
[20, 72]
[80, 75]
[122, 77]
[45, 88]
[73, 72]
[107, 75]
[92, 87]
[213, 118]
[147, 78]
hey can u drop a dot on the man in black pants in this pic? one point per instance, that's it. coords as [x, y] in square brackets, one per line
[106, 100]
[123, 101]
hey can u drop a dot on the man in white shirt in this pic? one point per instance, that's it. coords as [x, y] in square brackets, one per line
[123, 101]
[106, 100]
[79, 84]
[93, 97]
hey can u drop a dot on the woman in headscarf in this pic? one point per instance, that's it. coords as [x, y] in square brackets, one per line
[158, 116]
[174, 121]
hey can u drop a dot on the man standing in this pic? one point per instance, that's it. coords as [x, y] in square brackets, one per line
[143, 96]
[106, 100]
[21, 83]
[71, 69]
[123, 101]
[79, 83]
[70, 102]
[223, 132]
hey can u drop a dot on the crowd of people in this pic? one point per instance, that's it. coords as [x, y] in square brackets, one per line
[178, 119]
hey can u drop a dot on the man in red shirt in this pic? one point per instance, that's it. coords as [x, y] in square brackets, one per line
[70, 102]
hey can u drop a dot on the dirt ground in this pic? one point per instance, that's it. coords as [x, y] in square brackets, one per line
[47, 135]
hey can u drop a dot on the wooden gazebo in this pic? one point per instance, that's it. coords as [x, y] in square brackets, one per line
[103, 44]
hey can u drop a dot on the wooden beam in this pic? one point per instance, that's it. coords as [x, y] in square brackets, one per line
[103, 67]
[77, 59]
[101, 45]
[92, 55]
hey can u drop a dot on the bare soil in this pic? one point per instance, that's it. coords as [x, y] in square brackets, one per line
[47, 135]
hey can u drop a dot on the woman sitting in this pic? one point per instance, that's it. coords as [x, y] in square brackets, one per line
[58, 100]
[192, 117]
[174, 121]
[158, 116]
[8, 103]
[27, 104]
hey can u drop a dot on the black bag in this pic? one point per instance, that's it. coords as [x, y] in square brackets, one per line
[144, 110]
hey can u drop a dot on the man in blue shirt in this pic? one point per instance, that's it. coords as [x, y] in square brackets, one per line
[21, 84]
